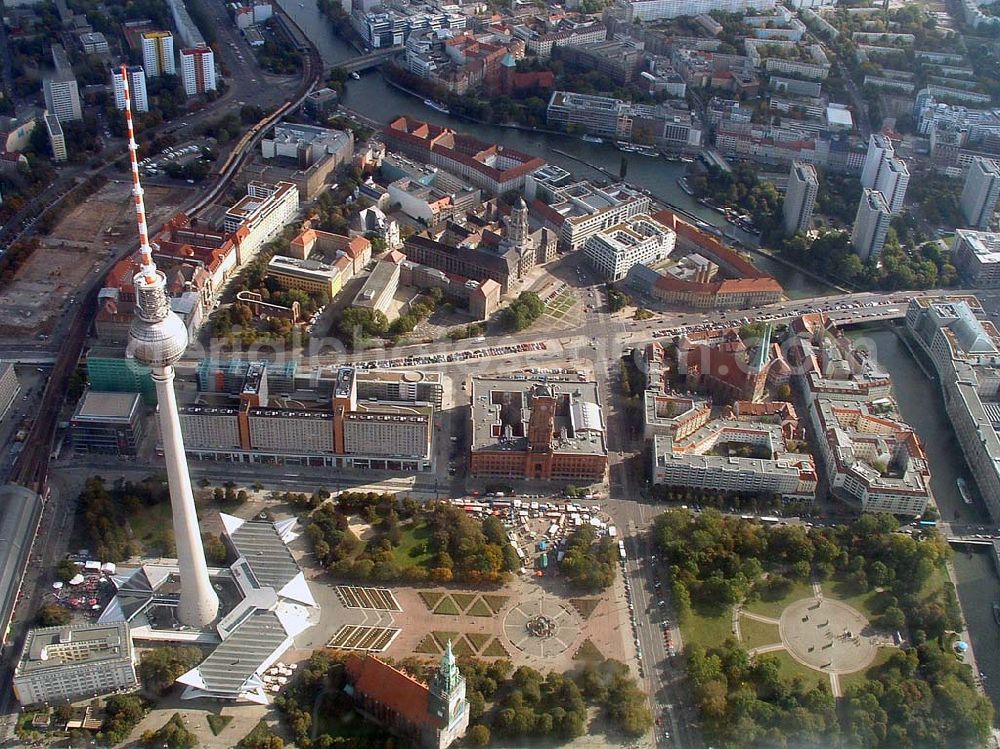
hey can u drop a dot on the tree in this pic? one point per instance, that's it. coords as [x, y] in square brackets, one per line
[160, 668]
[479, 735]
[173, 735]
[66, 570]
[52, 615]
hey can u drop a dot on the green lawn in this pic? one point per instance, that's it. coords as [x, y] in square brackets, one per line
[707, 626]
[431, 598]
[463, 600]
[478, 640]
[773, 607]
[867, 602]
[850, 680]
[149, 524]
[756, 634]
[789, 668]
[496, 649]
[479, 608]
[412, 550]
[218, 722]
[447, 607]
[495, 602]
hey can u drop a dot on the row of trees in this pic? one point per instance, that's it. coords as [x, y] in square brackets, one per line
[518, 706]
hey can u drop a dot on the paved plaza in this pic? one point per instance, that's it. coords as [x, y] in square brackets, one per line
[826, 635]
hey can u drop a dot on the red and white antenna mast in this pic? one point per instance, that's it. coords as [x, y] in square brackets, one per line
[148, 269]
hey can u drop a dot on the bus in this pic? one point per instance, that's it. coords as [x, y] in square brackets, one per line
[621, 550]
[770, 519]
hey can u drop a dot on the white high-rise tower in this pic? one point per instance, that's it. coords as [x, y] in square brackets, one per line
[157, 338]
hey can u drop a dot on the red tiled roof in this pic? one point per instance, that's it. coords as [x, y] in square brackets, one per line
[395, 690]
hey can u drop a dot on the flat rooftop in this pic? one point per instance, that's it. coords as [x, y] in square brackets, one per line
[501, 412]
[106, 406]
[52, 648]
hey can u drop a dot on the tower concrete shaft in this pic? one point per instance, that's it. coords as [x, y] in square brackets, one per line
[157, 338]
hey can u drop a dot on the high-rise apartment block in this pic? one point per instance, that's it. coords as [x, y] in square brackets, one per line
[871, 224]
[800, 198]
[879, 149]
[57, 140]
[892, 181]
[158, 53]
[9, 387]
[198, 70]
[981, 192]
[62, 95]
[137, 87]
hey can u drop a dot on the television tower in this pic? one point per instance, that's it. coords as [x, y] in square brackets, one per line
[157, 338]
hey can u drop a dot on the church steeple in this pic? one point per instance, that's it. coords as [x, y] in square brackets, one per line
[447, 691]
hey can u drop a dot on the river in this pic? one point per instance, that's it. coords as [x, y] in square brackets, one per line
[374, 98]
[921, 406]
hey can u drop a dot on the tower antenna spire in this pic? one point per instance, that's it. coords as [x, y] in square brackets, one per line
[146, 252]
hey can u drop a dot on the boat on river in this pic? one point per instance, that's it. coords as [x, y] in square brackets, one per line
[588, 138]
[436, 106]
[996, 611]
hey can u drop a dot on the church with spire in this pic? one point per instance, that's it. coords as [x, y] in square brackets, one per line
[431, 716]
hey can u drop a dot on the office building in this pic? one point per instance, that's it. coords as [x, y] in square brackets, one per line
[492, 167]
[109, 423]
[976, 255]
[321, 104]
[158, 53]
[379, 288]
[647, 124]
[980, 193]
[198, 70]
[93, 43]
[537, 430]
[137, 88]
[870, 225]
[800, 197]
[964, 345]
[326, 424]
[75, 662]
[578, 210]
[9, 387]
[654, 10]
[57, 140]
[263, 213]
[110, 371]
[640, 240]
[872, 459]
[310, 276]
[880, 149]
[892, 181]
[691, 453]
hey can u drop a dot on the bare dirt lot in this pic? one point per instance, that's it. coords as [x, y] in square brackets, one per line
[77, 250]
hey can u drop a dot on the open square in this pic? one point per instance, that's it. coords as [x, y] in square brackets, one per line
[827, 635]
